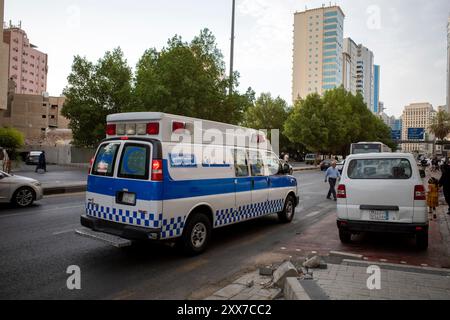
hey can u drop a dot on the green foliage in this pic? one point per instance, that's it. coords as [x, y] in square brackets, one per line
[95, 91]
[11, 139]
[329, 124]
[188, 79]
[440, 125]
[269, 113]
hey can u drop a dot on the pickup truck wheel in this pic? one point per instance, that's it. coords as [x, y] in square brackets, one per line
[345, 236]
[23, 197]
[422, 240]
[196, 235]
[287, 215]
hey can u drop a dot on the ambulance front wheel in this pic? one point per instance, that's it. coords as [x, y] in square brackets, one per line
[196, 234]
[287, 215]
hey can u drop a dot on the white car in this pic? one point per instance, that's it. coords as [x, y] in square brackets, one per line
[18, 190]
[382, 192]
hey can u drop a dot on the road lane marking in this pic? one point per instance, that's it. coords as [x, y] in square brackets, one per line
[312, 214]
[63, 232]
[42, 210]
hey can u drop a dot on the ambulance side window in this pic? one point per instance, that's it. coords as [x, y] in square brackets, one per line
[240, 163]
[272, 163]
[106, 157]
[256, 163]
[135, 162]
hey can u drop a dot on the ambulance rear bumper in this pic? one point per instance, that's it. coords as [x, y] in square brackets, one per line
[120, 230]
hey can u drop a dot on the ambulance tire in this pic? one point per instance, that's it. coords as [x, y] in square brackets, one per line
[287, 215]
[196, 234]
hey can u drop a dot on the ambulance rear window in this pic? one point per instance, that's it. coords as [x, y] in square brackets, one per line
[135, 162]
[104, 162]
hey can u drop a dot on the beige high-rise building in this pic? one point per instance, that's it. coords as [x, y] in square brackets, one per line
[27, 66]
[318, 47]
[417, 115]
[349, 65]
[4, 54]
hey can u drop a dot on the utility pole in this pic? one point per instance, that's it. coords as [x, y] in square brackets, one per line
[232, 48]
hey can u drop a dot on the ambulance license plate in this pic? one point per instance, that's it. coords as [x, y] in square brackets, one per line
[128, 198]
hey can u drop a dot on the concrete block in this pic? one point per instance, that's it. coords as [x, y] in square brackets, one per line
[294, 291]
[284, 271]
[312, 263]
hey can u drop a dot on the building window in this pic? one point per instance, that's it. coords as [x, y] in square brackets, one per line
[44, 116]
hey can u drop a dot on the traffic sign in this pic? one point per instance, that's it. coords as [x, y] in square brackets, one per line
[416, 134]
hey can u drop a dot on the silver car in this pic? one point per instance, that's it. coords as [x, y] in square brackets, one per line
[18, 190]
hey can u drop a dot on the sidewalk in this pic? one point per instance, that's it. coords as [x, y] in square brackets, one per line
[346, 280]
[58, 179]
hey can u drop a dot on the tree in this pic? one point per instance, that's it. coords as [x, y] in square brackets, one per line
[440, 125]
[268, 113]
[11, 139]
[95, 91]
[188, 79]
[330, 124]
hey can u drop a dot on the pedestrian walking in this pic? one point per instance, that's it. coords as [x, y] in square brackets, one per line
[331, 176]
[42, 162]
[433, 196]
[444, 182]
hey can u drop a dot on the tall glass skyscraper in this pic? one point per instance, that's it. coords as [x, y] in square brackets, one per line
[376, 89]
[318, 47]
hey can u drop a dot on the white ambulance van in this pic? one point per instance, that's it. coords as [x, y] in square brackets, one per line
[164, 177]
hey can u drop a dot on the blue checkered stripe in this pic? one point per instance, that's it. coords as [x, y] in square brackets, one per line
[135, 218]
[228, 216]
[173, 227]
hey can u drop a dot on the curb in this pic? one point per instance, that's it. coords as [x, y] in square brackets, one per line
[64, 189]
[305, 169]
[398, 267]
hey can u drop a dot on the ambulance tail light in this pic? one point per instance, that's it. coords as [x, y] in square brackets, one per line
[111, 129]
[153, 128]
[157, 170]
[177, 125]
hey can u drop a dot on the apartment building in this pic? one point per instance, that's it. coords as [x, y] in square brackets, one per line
[417, 115]
[4, 51]
[376, 89]
[28, 67]
[34, 115]
[318, 48]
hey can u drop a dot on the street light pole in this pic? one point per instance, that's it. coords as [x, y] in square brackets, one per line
[232, 48]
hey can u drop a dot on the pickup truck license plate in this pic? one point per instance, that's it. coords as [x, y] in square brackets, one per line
[379, 215]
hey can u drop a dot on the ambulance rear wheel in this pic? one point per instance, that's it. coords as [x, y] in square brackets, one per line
[196, 234]
[287, 215]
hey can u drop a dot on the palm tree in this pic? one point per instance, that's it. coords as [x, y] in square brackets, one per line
[440, 125]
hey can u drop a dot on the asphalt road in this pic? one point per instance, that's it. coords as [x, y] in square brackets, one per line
[38, 244]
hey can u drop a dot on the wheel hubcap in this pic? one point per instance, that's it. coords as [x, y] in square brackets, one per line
[198, 236]
[289, 209]
[24, 197]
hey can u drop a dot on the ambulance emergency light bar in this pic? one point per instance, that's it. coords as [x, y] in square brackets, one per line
[157, 124]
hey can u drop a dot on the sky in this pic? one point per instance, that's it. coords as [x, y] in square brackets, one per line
[408, 38]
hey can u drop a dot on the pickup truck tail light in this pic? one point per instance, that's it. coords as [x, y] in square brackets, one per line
[341, 192]
[419, 193]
